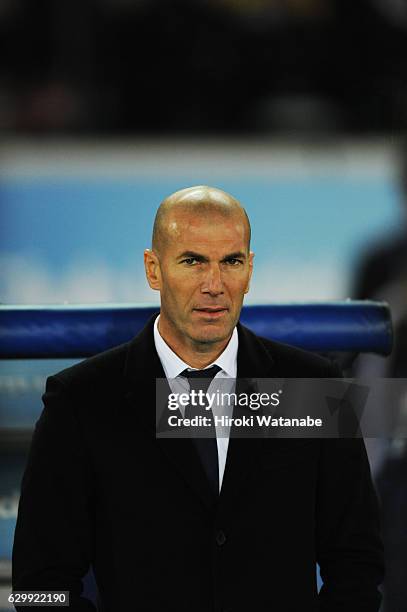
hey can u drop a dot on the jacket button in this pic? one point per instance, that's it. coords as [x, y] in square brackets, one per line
[220, 538]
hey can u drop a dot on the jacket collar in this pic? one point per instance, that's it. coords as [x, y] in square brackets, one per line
[253, 359]
[142, 361]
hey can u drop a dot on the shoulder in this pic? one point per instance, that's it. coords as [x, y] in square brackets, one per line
[94, 373]
[291, 361]
[299, 362]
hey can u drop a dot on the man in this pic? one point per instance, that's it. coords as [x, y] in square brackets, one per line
[101, 490]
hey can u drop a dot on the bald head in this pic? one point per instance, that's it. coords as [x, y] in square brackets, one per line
[200, 200]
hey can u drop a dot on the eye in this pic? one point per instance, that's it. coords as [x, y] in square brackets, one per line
[190, 261]
[233, 261]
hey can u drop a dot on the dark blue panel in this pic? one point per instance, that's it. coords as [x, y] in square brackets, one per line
[82, 330]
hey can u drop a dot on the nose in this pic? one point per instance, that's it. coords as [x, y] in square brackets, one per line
[212, 283]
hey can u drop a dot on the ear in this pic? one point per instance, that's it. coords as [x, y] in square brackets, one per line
[152, 268]
[251, 257]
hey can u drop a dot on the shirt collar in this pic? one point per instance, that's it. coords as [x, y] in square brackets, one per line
[174, 365]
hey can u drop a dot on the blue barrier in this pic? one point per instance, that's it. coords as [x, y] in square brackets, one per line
[82, 330]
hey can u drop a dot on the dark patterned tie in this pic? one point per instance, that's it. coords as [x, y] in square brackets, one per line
[207, 448]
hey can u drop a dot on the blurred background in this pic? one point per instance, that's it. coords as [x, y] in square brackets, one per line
[297, 107]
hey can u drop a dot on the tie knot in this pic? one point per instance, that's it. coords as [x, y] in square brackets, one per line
[207, 373]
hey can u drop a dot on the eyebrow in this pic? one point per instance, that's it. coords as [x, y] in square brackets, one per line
[192, 254]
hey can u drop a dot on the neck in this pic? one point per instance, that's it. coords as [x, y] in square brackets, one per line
[195, 354]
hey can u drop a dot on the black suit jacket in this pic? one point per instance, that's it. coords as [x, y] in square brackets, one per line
[99, 489]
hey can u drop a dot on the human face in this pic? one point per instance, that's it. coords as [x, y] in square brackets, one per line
[202, 275]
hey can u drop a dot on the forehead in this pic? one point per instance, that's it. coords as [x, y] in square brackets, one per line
[189, 229]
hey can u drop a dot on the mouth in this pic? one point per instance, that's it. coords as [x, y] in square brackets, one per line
[212, 312]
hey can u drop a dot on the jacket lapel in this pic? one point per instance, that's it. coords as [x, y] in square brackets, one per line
[253, 361]
[142, 368]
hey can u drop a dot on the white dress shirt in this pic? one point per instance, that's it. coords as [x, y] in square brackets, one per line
[224, 381]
